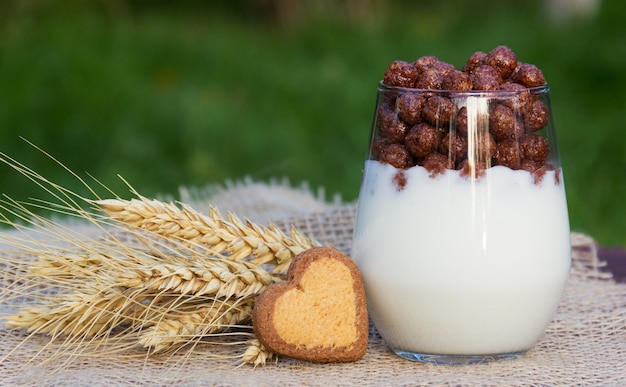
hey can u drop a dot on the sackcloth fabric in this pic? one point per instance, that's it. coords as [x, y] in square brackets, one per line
[585, 344]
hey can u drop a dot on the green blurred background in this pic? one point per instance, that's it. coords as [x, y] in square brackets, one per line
[171, 93]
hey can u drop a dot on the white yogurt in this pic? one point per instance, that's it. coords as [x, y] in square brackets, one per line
[458, 266]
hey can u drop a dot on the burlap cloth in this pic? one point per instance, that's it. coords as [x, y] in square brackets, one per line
[584, 345]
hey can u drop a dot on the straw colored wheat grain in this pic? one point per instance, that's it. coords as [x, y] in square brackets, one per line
[237, 238]
[156, 269]
[256, 353]
[68, 266]
[221, 277]
[78, 314]
[183, 328]
[74, 293]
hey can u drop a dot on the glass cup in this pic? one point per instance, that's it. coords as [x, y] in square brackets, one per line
[462, 233]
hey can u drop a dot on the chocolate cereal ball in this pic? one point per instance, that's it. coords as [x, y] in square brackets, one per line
[535, 148]
[409, 107]
[454, 145]
[485, 78]
[529, 165]
[503, 123]
[396, 155]
[424, 62]
[443, 67]
[461, 121]
[523, 97]
[423, 139]
[537, 116]
[475, 61]
[468, 170]
[439, 111]
[400, 74]
[502, 59]
[389, 125]
[485, 147]
[377, 146]
[436, 163]
[508, 153]
[484, 142]
[430, 78]
[528, 75]
[456, 80]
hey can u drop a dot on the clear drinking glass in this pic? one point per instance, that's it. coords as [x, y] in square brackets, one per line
[462, 233]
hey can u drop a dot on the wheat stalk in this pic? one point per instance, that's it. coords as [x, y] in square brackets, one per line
[267, 245]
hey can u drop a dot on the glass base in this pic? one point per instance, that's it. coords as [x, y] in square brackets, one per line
[456, 359]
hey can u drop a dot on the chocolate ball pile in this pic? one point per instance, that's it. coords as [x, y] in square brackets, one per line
[417, 125]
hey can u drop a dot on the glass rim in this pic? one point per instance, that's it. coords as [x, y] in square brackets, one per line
[464, 93]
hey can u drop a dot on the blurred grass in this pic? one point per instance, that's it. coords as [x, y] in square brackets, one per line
[191, 93]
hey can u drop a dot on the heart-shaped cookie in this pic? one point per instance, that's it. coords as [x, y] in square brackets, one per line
[319, 314]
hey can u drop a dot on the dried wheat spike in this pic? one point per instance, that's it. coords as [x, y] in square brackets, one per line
[184, 327]
[256, 354]
[200, 276]
[78, 314]
[267, 245]
[68, 267]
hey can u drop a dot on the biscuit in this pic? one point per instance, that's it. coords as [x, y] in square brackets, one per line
[319, 313]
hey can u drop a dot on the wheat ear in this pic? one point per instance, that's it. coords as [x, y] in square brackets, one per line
[199, 277]
[267, 245]
[181, 328]
[256, 354]
[77, 314]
